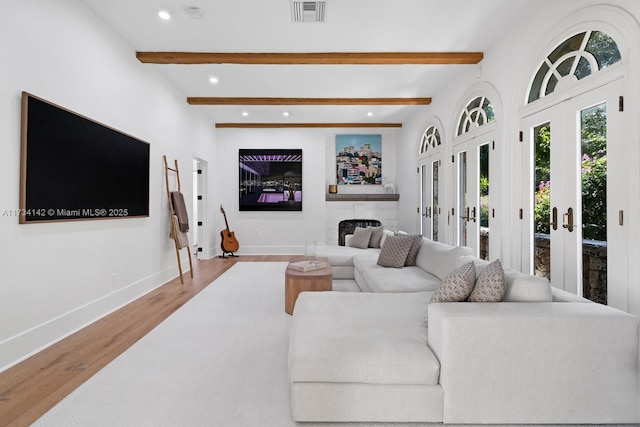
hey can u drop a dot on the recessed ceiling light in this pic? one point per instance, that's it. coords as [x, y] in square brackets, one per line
[163, 14]
[286, 114]
[213, 80]
[195, 12]
[370, 114]
[244, 113]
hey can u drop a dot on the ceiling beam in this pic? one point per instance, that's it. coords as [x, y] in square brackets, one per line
[318, 58]
[308, 125]
[306, 101]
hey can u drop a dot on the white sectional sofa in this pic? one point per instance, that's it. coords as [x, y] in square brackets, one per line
[389, 355]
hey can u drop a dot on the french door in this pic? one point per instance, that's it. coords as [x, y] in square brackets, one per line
[576, 199]
[430, 211]
[472, 211]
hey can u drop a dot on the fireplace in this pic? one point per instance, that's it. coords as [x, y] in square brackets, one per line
[348, 226]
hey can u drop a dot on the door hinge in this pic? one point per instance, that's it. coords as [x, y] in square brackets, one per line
[453, 159]
[521, 136]
[493, 145]
[521, 213]
[493, 213]
[418, 210]
[621, 103]
[199, 249]
[439, 162]
[199, 223]
[199, 197]
[620, 217]
[199, 171]
[417, 170]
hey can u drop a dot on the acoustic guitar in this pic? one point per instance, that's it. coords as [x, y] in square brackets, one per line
[229, 244]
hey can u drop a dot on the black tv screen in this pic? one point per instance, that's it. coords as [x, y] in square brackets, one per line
[270, 179]
[74, 168]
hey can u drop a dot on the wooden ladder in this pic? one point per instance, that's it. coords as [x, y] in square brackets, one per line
[174, 229]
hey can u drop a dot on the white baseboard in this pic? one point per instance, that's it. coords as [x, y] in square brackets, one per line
[269, 250]
[27, 343]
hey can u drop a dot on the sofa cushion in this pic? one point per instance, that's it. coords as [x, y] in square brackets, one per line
[457, 286]
[345, 337]
[383, 279]
[343, 255]
[361, 237]
[376, 236]
[520, 287]
[490, 285]
[438, 258]
[394, 252]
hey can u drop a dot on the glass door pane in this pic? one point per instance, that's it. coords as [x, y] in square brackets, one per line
[593, 136]
[425, 199]
[542, 200]
[463, 205]
[435, 205]
[483, 179]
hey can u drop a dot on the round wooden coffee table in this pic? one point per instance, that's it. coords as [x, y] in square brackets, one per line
[302, 281]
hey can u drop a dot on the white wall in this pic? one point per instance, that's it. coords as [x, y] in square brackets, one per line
[285, 232]
[57, 277]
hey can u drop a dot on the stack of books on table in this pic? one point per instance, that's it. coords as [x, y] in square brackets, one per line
[309, 265]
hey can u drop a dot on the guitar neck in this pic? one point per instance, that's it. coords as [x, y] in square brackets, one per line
[225, 220]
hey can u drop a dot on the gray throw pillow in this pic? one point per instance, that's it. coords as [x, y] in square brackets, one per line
[416, 242]
[490, 284]
[457, 285]
[376, 236]
[361, 237]
[394, 252]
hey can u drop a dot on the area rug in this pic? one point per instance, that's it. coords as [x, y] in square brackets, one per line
[220, 360]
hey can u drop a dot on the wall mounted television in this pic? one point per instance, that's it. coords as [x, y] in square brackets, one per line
[74, 168]
[270, 179]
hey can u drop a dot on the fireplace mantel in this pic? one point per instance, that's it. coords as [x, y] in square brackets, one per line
[380, 197]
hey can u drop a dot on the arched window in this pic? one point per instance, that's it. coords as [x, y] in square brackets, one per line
[575, 58]
[430, 139]
[477, 112]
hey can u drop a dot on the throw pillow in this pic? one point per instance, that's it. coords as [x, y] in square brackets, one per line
[376, 236]
[361, 237]
[490, 285]
[457, 286]
[385, 234]
[394, 252]
[416, 242]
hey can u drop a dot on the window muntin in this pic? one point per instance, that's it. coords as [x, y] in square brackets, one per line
[575, 58]
[430, 139]
[477, 112]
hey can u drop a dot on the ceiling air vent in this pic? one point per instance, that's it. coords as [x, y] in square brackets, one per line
[308, 11]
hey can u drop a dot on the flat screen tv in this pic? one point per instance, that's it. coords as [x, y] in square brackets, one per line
[270, 179]
[73, 168]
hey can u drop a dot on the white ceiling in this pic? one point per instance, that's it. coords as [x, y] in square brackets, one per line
[351, 26]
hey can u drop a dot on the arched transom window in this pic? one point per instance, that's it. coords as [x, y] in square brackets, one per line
[430, 139]
[575, 58]
[478, 112]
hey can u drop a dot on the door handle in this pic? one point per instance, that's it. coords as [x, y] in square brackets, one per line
[473, 214]
[554, 219]
[466, 214]
[568, 220]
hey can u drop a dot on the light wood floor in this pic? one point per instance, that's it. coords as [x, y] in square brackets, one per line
[32, 387]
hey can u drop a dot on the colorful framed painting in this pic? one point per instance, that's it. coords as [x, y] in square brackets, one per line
[359, 159]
